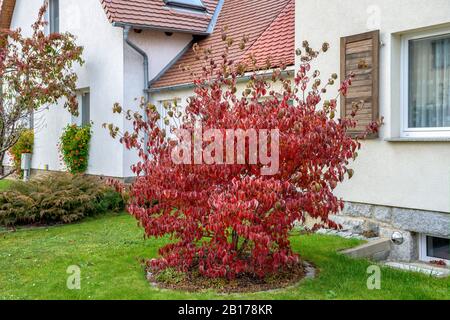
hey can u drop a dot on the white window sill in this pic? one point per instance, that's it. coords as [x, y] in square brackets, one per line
[418, 139]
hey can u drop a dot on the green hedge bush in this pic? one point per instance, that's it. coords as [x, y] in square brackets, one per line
[56, 198]
[24, 145]
[74, 146]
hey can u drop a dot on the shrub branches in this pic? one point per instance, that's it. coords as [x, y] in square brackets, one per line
[35, 71]
[74, 147]
[229, 219]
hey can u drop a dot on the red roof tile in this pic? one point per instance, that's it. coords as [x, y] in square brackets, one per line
[156, 14]
[277, 43]
[269, 24]
[6, 13]
[144, 13]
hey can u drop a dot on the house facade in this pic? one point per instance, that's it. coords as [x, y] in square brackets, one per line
[402, 177]
[399, 51]
[134, 50]
[115, 35]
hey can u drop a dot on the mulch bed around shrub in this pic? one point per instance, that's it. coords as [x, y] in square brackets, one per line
[194, 282]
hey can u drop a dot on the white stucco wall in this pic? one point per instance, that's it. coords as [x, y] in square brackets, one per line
[102, 73]
[407, 174]
[113, 73]
[161, 49]
[182, 95]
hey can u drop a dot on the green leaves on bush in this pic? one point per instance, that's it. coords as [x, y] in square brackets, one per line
[74, 148]
[23, 145]
[56, 198]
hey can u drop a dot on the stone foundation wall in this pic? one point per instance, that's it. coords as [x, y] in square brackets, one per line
[382, 221]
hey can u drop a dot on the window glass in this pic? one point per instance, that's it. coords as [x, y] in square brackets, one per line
[54, 16]
[85, 109]
[429, 82]
[31, 120]
[438, 248]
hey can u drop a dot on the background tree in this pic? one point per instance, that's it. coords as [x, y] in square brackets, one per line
[226, 220]
[35, 71]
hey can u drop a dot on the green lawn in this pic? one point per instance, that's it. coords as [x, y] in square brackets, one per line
[4, 184]
[33, 265]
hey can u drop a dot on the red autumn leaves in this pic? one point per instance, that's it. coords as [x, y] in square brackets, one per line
[226, 220]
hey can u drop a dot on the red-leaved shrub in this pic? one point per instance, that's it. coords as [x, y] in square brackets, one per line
[230, 219]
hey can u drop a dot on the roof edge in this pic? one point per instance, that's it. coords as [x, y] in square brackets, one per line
[6, 13]
[210, 27]
[149, 27]
[215, 17]
[246, 77]
[209, 31]
[173, 61]
[288, 3]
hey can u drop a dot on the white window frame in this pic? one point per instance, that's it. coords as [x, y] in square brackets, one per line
[423, 250]
[406, 132]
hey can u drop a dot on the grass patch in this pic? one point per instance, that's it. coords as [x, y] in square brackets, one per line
[4, 184]
[108, 250]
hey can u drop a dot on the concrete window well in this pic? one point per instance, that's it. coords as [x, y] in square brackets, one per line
[409, 239]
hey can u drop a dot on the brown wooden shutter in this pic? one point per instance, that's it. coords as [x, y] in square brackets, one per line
[360, 55]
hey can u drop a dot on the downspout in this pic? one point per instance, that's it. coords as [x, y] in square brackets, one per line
[126, 32]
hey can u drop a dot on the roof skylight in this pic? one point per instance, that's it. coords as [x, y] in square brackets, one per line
[187, 4]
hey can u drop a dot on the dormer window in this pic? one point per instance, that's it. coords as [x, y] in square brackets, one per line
[187, 4]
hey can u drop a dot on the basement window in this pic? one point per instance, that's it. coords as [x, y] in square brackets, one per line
[187, 4]
[434, 248]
